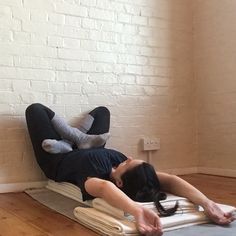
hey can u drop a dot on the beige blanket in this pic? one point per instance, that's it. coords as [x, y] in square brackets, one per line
[103, 218]
[106, 224]
[185, 206]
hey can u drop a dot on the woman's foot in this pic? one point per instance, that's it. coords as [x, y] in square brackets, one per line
[76, 136]
[56, 146]
[90, 141]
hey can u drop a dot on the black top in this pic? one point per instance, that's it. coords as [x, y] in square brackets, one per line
[78, 165]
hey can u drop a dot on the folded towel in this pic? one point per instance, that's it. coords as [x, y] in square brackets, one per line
[106, 224]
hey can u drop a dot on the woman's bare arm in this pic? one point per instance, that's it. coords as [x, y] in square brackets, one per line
[175, 185]
[147, 221]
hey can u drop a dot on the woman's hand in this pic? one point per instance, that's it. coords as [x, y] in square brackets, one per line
[148, 222]
[213, 211]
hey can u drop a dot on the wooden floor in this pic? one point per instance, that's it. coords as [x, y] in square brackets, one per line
[22, 216]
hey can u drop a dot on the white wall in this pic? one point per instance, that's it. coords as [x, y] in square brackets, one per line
[133, 56]
[215, 72]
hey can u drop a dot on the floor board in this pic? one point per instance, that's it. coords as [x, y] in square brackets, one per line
[21, 215]
[219, 189]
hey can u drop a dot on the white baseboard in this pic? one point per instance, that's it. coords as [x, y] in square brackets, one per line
[181, 171]
[201, 170]
[217, 171]
[20, 187]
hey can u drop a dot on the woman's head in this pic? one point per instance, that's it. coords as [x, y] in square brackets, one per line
[122, 168]
[141, 184]
[139, 181]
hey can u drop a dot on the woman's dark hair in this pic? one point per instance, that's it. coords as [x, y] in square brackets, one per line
[142, 185]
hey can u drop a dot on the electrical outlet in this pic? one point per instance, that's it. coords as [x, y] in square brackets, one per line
[150, 144]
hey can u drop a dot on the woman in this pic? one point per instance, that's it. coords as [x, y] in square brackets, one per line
[106, 173]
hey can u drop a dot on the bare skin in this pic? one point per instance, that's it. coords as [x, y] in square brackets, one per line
[178, 186]
[147, 222]
[217, 215]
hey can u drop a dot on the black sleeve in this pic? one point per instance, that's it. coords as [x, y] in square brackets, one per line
[85, 195]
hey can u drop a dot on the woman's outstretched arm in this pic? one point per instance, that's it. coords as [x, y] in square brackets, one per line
[175, 185]
[147, 222]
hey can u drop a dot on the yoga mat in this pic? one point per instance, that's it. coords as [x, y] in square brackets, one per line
[65, 206]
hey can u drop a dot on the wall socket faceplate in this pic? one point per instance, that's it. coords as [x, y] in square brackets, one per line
[149, 144]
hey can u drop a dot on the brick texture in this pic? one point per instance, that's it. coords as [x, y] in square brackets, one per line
[133, 56]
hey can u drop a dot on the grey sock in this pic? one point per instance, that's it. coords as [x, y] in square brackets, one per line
[56, 146]
[76, 136]
[86, 123]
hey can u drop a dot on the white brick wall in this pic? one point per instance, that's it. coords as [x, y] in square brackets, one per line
[132, 56]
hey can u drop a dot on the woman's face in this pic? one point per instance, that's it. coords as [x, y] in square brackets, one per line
[126, 165]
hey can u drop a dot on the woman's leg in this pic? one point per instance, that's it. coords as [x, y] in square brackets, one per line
[38, 118]
[85, 123]
[42, 133]
[101, 123]
[75, 135]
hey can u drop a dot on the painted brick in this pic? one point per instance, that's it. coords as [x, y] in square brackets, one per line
[103, 57]
[5, 11]
[38, 39]
[21, 86]
[71, 9]
[72, 32]
[88, 23]
[71, 76]
[22, 37]
[101, 14]
[125, 18]
[73, 21]
[127, 79]
[6, 85]
[139, 20]
[21, 13]
[6, 36]
[41, 86]
[42, 27]
[89, 45]
[134, 57]
[57, 19]
[6, 60]
[11, 24]
[73, 54]
[33, 62]
[11, 3]
[74, 65]
[8, 72]
[38, 16]
[103, 79]
[55, 41]
[89, 3]
[71, 43]
[36, 74]
[47, 5]
[57, 87]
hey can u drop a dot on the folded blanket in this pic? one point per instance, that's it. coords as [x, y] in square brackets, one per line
[185, 206]
[74, 192]
[68, 190]
[107, 220]
[106, 224]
